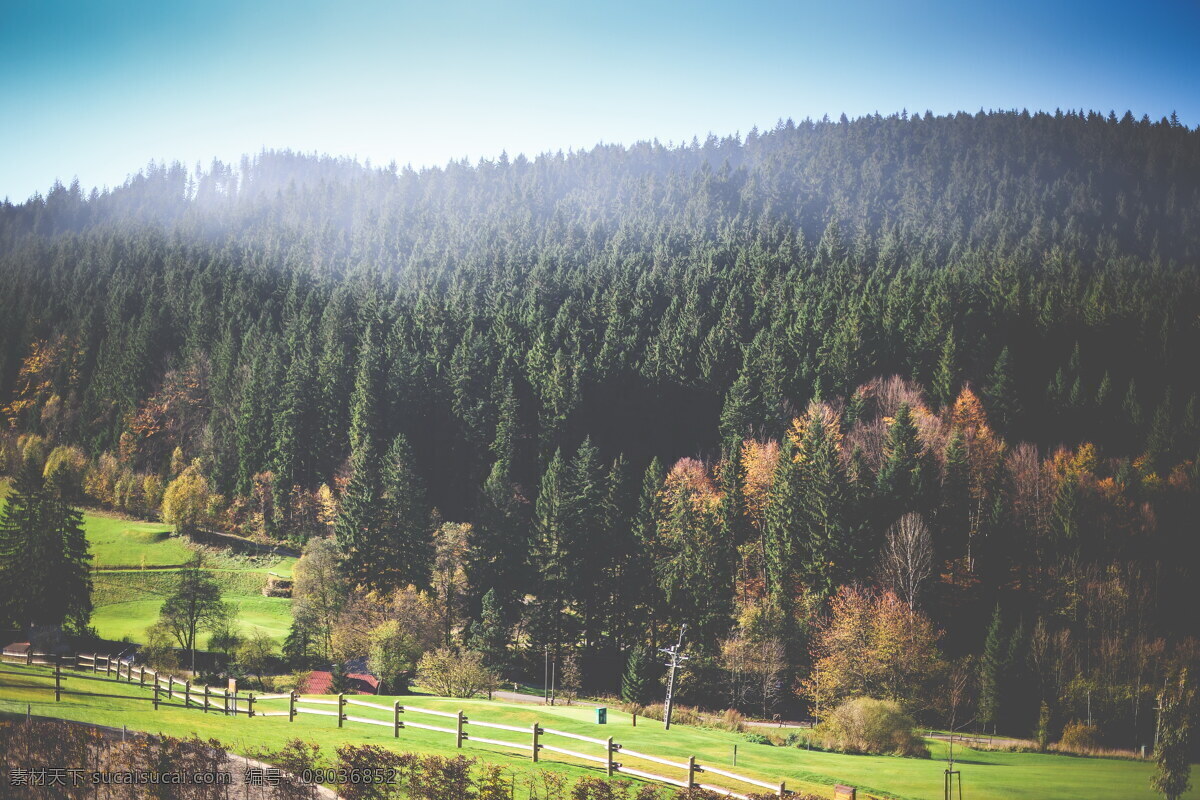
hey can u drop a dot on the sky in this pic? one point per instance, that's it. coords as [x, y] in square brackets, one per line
[95, 89]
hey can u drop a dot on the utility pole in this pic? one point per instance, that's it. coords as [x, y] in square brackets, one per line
[676, 658]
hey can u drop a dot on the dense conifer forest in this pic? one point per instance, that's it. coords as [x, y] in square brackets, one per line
[813, 391]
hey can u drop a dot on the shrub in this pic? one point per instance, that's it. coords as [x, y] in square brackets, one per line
[866, 725]
[732, 720]
[1079, 737]
[600, 789]
[758, 738]
[456, 674]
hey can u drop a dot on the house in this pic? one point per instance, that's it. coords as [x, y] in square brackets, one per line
[320, 682]
[17, 650]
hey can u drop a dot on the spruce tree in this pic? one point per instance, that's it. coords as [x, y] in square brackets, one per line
[902, 477]
[945, 374]
[490, 634]
[360, 519]
[637, 680]
[404, 550]
[1001, 394]
[781, 530]
[825, 553]
[992, 668]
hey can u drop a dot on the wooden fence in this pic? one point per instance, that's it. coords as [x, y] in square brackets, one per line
[170, 691]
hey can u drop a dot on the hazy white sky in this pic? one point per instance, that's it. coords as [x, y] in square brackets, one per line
[94, 89]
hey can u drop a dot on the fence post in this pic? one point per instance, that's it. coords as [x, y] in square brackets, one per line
[57, 678]
[635, 719]
[536, 732]
[608, 753]
[170, 687]
[691, 771]
[341, 709]
[783, 788]
[250, 705]
[108, 666]
[156, 692]
[206, 698]
[187, 694]
[459, 736]
[29, 656]
[396, 723]
[292, 706]
[95, 663]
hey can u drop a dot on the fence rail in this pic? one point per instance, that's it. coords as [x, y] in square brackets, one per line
[167, 690]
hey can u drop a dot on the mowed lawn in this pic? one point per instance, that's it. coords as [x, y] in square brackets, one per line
[986, 775]
[135, 567]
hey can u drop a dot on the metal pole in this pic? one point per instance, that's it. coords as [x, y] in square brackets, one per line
[674, 652]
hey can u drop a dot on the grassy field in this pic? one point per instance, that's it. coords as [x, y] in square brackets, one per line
[986, 775]
[133, 573]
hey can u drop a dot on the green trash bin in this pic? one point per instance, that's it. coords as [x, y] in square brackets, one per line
[601, 716]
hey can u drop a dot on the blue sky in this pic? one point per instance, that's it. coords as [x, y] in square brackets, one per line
[95, 89]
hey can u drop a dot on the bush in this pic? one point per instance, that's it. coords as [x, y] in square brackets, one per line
[1078, 737]
[732, 720]
[456, 674]
[758, 738]
[866, 725]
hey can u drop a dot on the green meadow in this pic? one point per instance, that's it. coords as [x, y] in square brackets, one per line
[135, 567]
[986, 775]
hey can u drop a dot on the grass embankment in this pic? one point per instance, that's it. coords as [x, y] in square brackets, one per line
[987, 775]
[135, 565]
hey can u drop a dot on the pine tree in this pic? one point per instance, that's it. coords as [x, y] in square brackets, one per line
[781, 531]
[953, 515]
[640, 571]
[637, 680]
[367, 403]
[551, 554]
[21, 518]
[1019, 701]
[499, 540]
[824, 532]
[404, 549]
[1160, 440]
[360, 519]
[945, 374]
[1001, 394]
[490, 634]
[901, 481]
[44, 553]
[992, 668]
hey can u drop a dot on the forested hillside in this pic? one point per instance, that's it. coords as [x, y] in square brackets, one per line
[950, 361]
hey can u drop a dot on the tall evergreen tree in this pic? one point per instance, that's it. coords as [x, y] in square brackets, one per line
[1001, 394]
[992, 669]
[404, 550]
